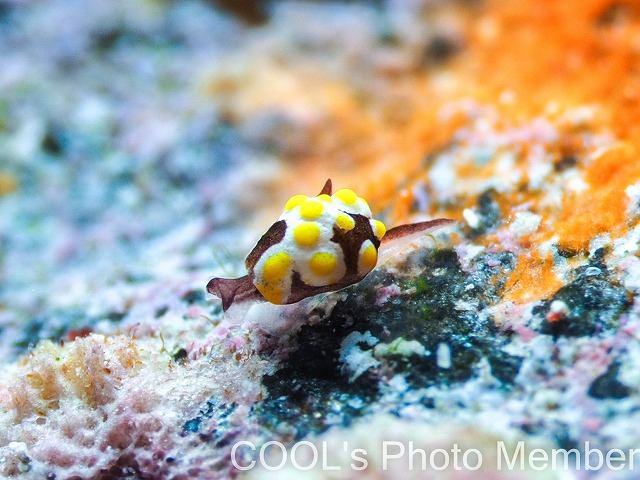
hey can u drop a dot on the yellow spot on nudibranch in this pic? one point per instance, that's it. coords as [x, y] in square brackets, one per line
[276, 268]
[379, 229]
[323, 264]
[272, 294]
[345, 222]
[346, 196]
[311, 209]
[294, 201]
[306, 234]
[325, 198]
[368, 257]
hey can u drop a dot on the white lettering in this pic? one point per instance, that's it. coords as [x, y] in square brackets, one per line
[465, 460]
[502, 452]
[325, 462]
[620, 460]
[363, 461]
[423, 457]
[538, 455]
[456, 450]
[294, 458]
[556, 452]
[587, 457]
[386, 456]
[263, 449]
[432, 459]
[234, 461]
[632, 454]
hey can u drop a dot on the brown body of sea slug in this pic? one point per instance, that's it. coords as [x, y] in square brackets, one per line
[319, 244]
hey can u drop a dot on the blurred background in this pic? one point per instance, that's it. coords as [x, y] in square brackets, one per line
[149, 137]
[148, 142]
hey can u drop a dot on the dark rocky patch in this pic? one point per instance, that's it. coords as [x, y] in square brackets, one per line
[54, 328]
[616, 13]
[115, 317]
[180, 355]
[488, 211]
[59, 325]
[53, 141]
[312, 390]
[253, 12]
[211, 409]
[441, 48]
[128, 467]
[194, 296]
[607, 385]
[594, 304]
[161, 311]
[565, 162]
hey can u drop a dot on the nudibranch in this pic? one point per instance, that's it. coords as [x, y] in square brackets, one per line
[319, 244]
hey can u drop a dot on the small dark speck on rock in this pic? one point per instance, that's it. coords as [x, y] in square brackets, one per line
[115, 317]
[52, 142]
[566, 162]
[253, 12]
[211, 409]
[566, 253]
[441, 48]
[193, 296]
[179, 356]
[108, 38]
[488, 211]
[597, 258]
[614, 13]
[607, 385]
[126, 467]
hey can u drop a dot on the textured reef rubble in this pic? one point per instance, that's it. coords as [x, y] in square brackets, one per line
[144, 148]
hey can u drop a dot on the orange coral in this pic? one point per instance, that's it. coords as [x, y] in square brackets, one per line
[525, 58]
[571, 67]
[601, 209]
[533, 278]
